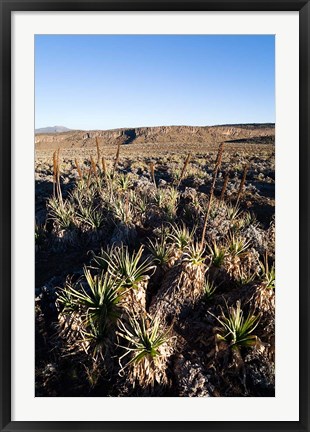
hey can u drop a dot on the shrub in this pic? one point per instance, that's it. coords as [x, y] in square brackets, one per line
[148, 348]
[61, 213]
[160, 250]
[217, 254]
[209, 289]
[237, 330]
[268, 275]
[92, 310]
[128, 268]
[194, 254]
[237, 246]
[181, 236]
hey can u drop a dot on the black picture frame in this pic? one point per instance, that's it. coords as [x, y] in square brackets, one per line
[6, 8]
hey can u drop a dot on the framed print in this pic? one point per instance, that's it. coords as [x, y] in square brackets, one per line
[154, 196]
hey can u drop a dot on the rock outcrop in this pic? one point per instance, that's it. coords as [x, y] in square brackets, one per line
[160, 134]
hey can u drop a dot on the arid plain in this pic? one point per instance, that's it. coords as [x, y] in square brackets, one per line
[155, 261]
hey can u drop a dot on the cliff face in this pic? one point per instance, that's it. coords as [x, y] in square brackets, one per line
[160, 134]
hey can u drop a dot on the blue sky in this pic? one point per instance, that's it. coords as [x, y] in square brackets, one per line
[106, 81]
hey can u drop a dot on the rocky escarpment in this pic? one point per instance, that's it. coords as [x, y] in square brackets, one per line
[159, 134]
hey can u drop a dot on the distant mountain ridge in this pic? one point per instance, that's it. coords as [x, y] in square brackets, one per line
[262, 133]
[52, 129]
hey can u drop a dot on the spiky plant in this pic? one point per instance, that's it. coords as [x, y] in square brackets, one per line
[100, 262]
[96, 301]
[246, 219]
[160, 250]
[172, 195]
[142, 203]
[181, 236]
[237, 246]
[40, 234]
[159, 197]
[82, 195]
[89, 311]
[80, 187]
[233, 212]
[236, 329]
[209, 288]
[215, 209]
[133, 273]
[170, 204]
[61, 213]
[123, 181]
[194, 254]
[268, 275]
[244, 278]
[92, 217]
[218, 253]
[95, 340]
[176, 175]
[128, 268]
[139, 202]
[149, 347]
[122, 209]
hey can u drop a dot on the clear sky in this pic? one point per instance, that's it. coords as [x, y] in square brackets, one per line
[106, 82]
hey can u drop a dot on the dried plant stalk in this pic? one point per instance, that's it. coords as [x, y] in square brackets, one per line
[57, 172]
[104, 167]
[226, 179]
[152, 169]
[78, 168]
[242, 182]
[54, 173]
[93, 167]
[89, 175]
[116, 158]
[215, 171]
[219, 156]
[266, 262]
[184, 168]
[58, 187]
[126, 206]
[98, 150]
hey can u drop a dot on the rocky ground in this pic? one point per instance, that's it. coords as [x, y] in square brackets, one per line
[138, 204]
